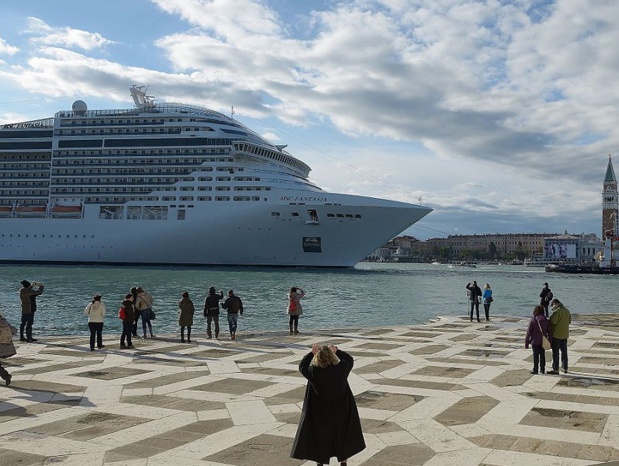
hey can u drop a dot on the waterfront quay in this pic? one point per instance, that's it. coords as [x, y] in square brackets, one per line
[450, 392]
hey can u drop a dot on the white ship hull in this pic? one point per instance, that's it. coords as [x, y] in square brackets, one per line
[175, 184]
[251, 237]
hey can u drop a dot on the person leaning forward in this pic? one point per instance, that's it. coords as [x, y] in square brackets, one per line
[27, 296]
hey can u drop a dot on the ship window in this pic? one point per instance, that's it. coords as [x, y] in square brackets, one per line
[348, 215]
[180, 214]
[275, 214]
[295, 214]
[340, 215]
[357, 216]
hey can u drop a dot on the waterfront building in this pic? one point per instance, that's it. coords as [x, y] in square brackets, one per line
[610, 202]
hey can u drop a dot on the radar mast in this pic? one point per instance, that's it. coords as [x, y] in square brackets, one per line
[140, 98]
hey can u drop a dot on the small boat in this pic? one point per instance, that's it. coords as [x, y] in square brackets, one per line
[31, 210]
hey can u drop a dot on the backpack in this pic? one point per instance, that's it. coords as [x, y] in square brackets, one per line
[121, 313]
[549, 296]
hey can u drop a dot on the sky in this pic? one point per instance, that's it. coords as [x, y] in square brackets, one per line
[499, 115]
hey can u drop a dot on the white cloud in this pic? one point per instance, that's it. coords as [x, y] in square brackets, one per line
[6, 49]
[510, 95]
[44, 34]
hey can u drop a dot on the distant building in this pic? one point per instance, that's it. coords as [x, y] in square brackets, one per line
[610, 202]
[537, 247]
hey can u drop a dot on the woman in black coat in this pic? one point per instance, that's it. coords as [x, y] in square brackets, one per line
[329, 424]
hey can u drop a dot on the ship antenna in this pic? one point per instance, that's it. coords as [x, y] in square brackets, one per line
[232, 112]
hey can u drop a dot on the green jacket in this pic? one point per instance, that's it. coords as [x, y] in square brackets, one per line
[560, 321]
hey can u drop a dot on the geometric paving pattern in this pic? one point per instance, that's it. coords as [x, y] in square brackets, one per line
[449, 392]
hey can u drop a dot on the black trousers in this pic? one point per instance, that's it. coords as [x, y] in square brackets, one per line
[559, 345]
[294, 321]
[476, 305]
[539, 358]
[487, 310]
[26, 321]
[127, 327]
[96, 329]
[3, 372]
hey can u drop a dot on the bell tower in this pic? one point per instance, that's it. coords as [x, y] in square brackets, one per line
[610, 199]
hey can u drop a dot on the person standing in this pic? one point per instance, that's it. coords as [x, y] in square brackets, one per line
[487, 298]
[539, 327]
[185, 318]
[294, 308]
[234, 306]
[95, 310]
[330, 424]
[134, 327]
[27, 296]
[560, 321]
[128, 321]
[7, 348]
[211, 311]
[144, 307]
[545, 297]
[474, 297]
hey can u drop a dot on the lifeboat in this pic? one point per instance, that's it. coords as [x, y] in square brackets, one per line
[30, 210]
[6, 210]
[66, 211]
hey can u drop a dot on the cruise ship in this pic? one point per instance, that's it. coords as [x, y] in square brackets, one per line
[174, 184]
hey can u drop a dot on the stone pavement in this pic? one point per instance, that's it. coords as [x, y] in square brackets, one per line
[447, 393]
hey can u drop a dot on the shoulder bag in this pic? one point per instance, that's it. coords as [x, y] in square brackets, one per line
[545, 341]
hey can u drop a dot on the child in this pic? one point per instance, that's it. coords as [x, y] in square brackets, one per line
[7, 348]
[538, 326]
[186, 316]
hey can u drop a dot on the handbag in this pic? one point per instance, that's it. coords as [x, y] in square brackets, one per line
[152, 315]
[545, 341]
[121, 313]
[489, 299]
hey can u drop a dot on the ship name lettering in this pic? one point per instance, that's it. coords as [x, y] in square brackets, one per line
[303, 199]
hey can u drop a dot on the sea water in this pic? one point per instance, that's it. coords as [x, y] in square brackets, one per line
[369, 295]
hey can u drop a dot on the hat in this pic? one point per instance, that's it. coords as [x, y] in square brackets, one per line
[25, 283]
[97, 297]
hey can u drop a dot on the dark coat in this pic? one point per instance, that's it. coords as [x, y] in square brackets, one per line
[233, 305]
[129, 311]
[534, 334]
[475, 292]
[28, 300]
[329, 424]
[211, 304]
[186, 317]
